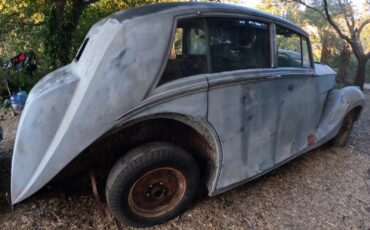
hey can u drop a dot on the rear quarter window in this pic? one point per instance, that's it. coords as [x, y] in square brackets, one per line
[81, 49]
[188, 51]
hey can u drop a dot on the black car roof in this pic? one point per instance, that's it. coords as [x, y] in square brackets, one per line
[199, 7]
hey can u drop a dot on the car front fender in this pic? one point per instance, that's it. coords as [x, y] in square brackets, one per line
[338, 104]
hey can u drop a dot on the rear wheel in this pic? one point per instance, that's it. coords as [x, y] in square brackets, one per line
[340, 140]
[152, 184]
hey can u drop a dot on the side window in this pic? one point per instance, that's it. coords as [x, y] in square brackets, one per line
[238, 44]
[292, 49]
[188, 55]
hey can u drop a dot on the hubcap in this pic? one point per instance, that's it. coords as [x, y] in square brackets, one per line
[157, 192]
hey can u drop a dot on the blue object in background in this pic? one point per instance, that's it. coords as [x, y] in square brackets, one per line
[18, 100]
[22, 97]
[13, 99]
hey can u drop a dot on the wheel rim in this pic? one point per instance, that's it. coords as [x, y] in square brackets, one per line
[157, 192]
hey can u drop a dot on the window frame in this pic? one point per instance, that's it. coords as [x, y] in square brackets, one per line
[310, 58]
[169, 47]
[203, 17]
[302, 36]
[246, 17]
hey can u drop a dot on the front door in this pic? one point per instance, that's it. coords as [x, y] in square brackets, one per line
[298, 103]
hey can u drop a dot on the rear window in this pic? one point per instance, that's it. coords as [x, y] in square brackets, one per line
[188, 55]
[81, 49]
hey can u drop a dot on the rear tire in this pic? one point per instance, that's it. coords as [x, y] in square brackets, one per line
[152, 184]
[340, 140]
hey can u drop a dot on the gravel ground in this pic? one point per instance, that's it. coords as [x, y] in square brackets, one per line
[323, 189]
[360, 136]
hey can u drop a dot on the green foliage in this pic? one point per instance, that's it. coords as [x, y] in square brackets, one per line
[22, 28]
[325, 42]
[21, 81]
[33, 25]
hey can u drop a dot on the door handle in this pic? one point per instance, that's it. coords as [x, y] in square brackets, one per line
[274, 76]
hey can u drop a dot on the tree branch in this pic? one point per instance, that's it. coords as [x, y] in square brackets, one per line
[327, 16]
[332, 23]
[87, 3]
[310, 7]
[363, 24]
[344, 9]
[352, 15]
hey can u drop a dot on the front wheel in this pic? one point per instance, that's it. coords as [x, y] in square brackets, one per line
[152, 184]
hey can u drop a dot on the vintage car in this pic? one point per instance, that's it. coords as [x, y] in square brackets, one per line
[167, 98]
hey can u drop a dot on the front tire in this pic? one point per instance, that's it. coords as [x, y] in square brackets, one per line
[152, 184]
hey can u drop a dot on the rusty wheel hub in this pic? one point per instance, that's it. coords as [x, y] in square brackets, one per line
[157, 192]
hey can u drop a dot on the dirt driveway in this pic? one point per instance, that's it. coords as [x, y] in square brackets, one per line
[323, 189]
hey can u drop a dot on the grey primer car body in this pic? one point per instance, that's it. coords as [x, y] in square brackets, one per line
[242, 122]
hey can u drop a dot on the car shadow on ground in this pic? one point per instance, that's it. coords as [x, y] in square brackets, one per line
[79, 185]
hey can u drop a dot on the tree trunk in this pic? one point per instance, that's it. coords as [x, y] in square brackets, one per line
[55, 29]
[360, 74]
[325, 48]
[69, 28]
[344, 59]
[62, 27]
